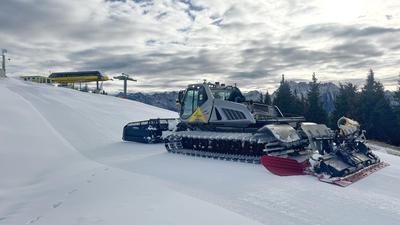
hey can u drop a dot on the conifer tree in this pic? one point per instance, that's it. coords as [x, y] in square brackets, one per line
[267, 99]
[303, 104]
[345, 103]
[369, 95]
[375, 113]
[314, 111]
[397, 98]
[397, 93]
[286, 101]
[261, 97]
[283, 97]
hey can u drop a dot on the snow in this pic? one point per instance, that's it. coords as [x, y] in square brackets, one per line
[382, 147]
[62, 161]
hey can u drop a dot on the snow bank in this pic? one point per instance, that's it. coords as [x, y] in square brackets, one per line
[62, 161]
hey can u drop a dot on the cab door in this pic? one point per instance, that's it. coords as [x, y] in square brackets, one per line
[194, 98]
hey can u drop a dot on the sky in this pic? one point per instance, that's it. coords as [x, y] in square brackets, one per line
[168, 44]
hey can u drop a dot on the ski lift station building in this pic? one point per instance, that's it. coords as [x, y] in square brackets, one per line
[36, 79]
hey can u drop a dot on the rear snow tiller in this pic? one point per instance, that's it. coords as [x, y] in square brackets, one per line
[216, 122]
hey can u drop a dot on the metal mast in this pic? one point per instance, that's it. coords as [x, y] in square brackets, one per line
[125, 77]
[3, 63]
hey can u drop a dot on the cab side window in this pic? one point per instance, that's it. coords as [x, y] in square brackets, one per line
[202, 96]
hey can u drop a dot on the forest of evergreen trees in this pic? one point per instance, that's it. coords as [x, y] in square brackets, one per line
[368, 106]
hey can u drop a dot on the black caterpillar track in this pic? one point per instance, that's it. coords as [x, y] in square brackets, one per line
[229, 146]
[176, 147]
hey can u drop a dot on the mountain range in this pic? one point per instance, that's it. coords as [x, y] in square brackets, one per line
[328, 93]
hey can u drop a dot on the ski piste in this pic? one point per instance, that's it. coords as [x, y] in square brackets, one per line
[216, 122]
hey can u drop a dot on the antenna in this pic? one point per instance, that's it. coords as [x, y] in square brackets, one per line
[3, 63]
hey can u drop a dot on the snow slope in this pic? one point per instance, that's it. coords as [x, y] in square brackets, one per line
[62, 161]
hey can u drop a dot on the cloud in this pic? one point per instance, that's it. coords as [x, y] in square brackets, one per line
[176, 42]
[348, 31]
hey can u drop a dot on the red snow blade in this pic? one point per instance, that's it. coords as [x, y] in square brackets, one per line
[352, 178]
[283, 166]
